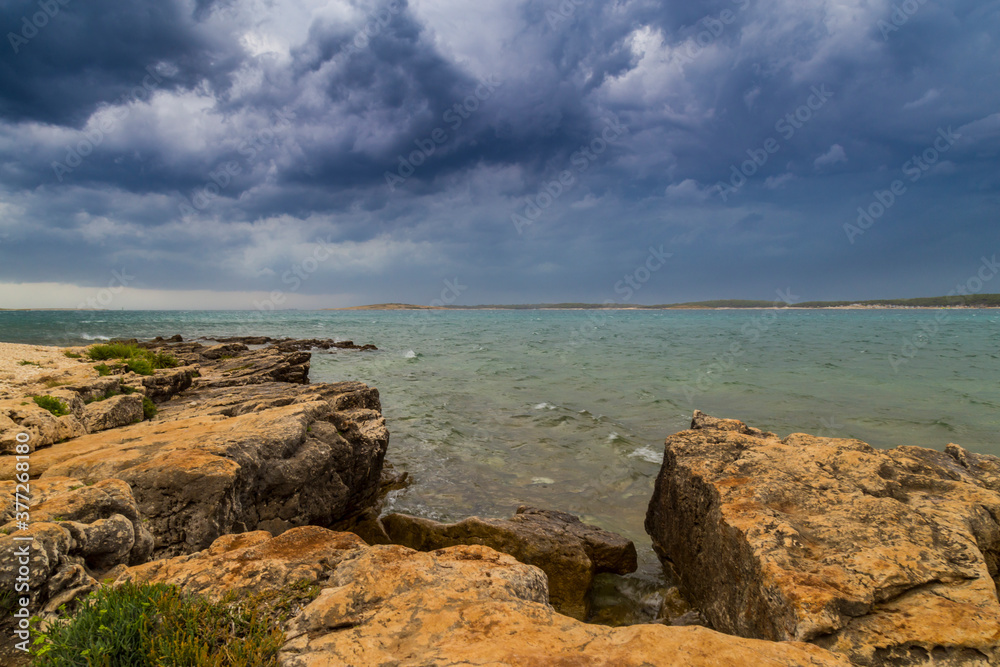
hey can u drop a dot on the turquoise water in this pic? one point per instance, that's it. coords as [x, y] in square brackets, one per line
[568, 410]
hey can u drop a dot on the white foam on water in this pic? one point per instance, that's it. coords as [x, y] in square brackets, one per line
[647, 453]
[542, 480]
[87, 336]
[545, 406]
[410, 354]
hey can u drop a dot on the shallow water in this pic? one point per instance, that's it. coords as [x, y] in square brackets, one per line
[568, 410]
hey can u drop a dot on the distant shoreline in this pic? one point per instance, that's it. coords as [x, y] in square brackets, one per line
[979, 301]
[969, 302]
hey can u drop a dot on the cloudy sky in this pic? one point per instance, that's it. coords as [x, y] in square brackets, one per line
[217, 153]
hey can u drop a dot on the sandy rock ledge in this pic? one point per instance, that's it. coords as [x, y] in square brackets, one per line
[888, 557]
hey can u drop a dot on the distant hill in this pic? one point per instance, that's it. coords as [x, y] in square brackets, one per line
[970, 301]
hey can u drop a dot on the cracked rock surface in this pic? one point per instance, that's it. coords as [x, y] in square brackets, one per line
[465, 605]
[241, 441]
[570, 552]
[889, 557]
[79, 533]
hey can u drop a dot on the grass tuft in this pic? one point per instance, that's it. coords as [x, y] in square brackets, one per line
[137, 359]
[72, 355]
[148, 408]
[155, 624]
[52, 404]
[25, 362]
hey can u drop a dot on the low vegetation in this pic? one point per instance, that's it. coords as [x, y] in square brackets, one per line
[73, 355]
[157, 624]
[148, 408]
[52, 404]
[25, 362]
[134, 358]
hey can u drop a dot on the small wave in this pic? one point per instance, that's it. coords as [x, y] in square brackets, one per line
[614, 437]
[542, 480]
[647, 453]
[410, 354]
[545, 406]
[87, 336]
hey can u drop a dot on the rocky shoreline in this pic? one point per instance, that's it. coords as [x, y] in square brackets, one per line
[246, 477]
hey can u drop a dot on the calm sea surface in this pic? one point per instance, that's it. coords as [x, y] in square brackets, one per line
[568, 410]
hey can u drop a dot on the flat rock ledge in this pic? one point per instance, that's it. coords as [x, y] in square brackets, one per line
[241, 442]
[570, 552]
[887, 557]
[465, 605]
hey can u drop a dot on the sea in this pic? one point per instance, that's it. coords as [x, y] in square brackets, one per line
[568, 409]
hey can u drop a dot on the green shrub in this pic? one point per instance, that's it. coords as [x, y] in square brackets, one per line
[137, 359]
[73, 355]
[107, 351]
[164, 360]
[104, 369]
[148, 408]
[156, 624]
[139, 366]
[52, 404]
[25, 362]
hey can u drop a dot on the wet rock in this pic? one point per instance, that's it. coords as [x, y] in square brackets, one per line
[887, 557]
[296, 344]
[569, 551]
[224, 350]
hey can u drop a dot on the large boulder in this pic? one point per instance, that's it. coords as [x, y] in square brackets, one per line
[888, 557]
[390, 605]
[569, 551]
[78, 533]
[113, 412]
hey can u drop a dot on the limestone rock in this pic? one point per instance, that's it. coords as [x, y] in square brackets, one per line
[80, 532]
[113, 412]
[167, 383]
[225, 460]
[43, 428]
[256, 367]
[224, 350]
[569, 551]
[389, 605]
[252, 562]
[888, 557]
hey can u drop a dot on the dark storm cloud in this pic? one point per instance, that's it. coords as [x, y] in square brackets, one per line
[62, 58]
[411, 135]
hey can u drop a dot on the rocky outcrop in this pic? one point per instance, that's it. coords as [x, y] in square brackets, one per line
[225, 460]
[292, 344]
[113, 412]
[389, 605]
[887, 557]
[241, 442]
[79, 533]
[569, 551]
